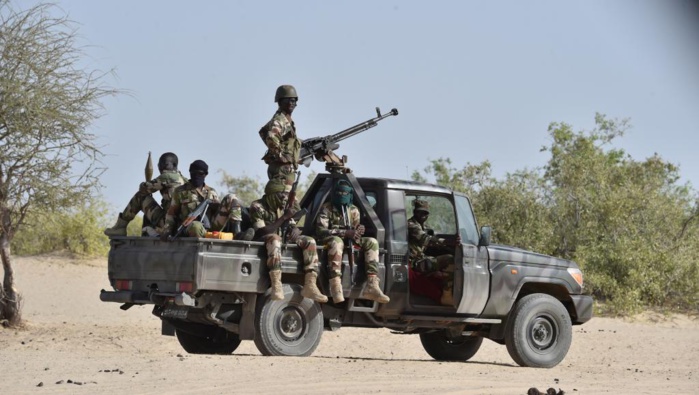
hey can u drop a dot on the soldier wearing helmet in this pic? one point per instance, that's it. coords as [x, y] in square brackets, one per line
[279, 134]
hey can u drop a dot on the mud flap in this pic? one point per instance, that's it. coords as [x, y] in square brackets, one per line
[167, 329]
[246, 329]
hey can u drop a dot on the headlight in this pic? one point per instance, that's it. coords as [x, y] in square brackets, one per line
[577, 275]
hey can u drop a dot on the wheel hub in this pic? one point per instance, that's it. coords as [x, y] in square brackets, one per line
[542, 333]
[291, 324]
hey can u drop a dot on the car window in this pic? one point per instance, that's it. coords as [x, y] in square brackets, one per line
[442, 219]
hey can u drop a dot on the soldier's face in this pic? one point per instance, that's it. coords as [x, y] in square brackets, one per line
[283, 197]
[167, 164]
[287, 105]
[421, 216]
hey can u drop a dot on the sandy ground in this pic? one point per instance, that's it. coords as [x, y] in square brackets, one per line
[76, 344]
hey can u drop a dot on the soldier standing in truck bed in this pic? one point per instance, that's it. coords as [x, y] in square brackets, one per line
[279, 134]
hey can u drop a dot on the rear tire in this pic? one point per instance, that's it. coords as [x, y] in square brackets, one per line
[217, 341]
[539, 331]
[289, 327]
[441, 348]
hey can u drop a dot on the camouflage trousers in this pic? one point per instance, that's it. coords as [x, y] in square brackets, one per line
[335, 247]
[307, 244]
[441, 267]
[283, 171]
[196, 229]
[229, 211]
[153, 214]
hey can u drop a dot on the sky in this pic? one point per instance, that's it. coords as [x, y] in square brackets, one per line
[472, 80]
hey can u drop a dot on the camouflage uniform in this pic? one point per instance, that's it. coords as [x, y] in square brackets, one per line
[283, 147]
[418, 241]
[154, 213]
[185, 199]
[268, 211]
[261, 214]
[331, 228]
[230, 211]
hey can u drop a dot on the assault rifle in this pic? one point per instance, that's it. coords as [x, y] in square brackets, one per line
[324, 146]
[349, 242]
[199, 211]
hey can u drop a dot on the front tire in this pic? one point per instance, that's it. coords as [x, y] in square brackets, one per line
[539, 331]
[217, 341]
[442, 348]
[292, 326]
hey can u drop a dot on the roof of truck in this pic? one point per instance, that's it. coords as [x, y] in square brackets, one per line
[391, 183]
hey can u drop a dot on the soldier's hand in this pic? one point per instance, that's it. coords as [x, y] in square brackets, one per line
[350, 233]
[288, 214]
[143, 188]
[359, 232]
[452, 242]
[294, 235]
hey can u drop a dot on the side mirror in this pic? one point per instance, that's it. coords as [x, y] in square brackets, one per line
[484, 241]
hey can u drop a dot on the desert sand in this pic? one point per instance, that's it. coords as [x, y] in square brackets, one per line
[75, 344]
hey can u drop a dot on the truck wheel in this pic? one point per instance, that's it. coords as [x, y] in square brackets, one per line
[442, 348]
[289, 327]
[539, 331]
[222, 343]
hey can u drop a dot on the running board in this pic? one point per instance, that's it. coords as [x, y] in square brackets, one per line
[467, 320]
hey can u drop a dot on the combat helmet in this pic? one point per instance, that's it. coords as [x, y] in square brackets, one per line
[285, 91]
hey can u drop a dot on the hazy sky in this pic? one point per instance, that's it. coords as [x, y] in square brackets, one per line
[473, 80]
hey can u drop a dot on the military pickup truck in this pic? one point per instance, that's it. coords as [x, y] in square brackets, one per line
[212, 294]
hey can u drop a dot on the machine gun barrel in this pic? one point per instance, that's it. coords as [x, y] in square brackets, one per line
[363, 126]
[316, 145]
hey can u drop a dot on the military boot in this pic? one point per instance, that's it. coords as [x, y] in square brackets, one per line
[336, 289]
[310, 289]
[276, 279]
[119, 229]
[372, 290]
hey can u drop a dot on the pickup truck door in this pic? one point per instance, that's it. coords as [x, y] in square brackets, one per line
[471, 274]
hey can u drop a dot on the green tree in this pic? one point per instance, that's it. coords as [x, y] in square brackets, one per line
[77, 230]
[48, 159]
[628, 223]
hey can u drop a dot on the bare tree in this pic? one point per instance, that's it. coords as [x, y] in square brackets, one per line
[48, 159]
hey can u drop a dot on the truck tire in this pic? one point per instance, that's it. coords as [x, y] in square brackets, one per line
[289, 327]
[441, 348]
[223, 343]
[539, 331]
